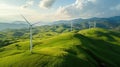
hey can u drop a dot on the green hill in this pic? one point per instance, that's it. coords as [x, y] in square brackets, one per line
[87, 48]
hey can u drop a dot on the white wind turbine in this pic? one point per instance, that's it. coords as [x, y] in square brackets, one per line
[30, 29]
[71, 26]
[94, 24]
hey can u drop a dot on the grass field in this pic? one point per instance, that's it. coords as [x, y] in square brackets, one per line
[93, 47]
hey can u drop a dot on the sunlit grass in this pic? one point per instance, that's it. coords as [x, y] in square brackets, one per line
[87, 48]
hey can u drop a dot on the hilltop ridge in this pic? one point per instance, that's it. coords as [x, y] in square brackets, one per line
[93, 47]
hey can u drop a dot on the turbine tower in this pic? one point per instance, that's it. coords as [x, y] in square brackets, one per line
[89, 24]
[94, 24]
[30, 29]
[71, 26]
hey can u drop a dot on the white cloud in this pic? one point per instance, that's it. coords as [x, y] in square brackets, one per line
[46, 3]
[7, 9]
[90, 8]
[79, 9]
[28, 4]
[12, 13]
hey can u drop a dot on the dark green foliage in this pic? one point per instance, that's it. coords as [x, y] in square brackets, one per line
[6, 42]
[18, 34]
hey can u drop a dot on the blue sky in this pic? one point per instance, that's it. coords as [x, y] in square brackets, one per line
[53, 10]
[21, 2]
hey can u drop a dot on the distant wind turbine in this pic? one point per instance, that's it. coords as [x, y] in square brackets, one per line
[71, 26]
[94, 24]
[30, 28]
[89, 24]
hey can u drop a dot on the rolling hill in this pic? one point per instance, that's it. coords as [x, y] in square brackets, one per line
[93, 47]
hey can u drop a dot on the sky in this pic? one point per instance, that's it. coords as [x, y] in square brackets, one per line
[54, 10]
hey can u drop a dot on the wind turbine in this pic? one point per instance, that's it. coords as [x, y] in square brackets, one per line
[94, 24]
[89, 24]
[71, 25]
[30, 29]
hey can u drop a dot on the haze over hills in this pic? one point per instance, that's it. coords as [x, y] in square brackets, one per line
[4, 26]
[93, 47]
[108, 23]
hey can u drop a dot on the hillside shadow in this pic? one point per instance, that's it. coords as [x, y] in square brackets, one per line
[109, 37]
[106, 54]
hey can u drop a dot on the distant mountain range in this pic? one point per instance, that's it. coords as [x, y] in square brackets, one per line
[4, 26]
[108, 23]
[115, 19]
[18, 25]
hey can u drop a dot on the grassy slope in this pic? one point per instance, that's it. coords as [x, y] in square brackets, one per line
[88, 48]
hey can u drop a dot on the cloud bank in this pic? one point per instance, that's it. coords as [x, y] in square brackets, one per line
[29, 3]
[46, 3]
[90, 8]
[78, 9]
[10, 13]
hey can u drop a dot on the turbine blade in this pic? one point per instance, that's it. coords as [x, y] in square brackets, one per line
[25, 19]
[36, 23]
